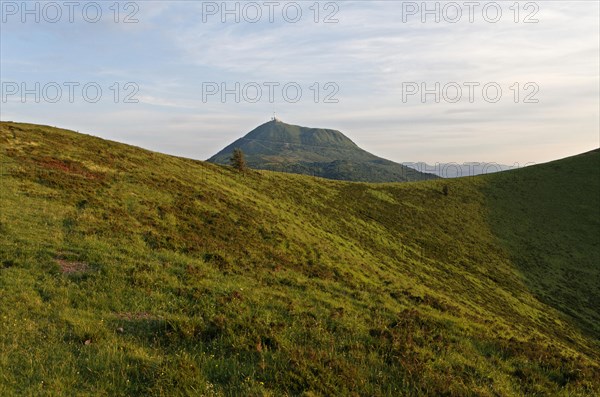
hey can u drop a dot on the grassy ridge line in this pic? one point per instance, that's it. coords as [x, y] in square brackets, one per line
[267, 283]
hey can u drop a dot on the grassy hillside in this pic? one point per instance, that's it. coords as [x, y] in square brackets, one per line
[127, 272]
[277, 146]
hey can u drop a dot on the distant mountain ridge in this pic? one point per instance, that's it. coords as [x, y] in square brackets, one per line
[456, 170]
[326, 153]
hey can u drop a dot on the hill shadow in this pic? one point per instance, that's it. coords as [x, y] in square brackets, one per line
[547, 217]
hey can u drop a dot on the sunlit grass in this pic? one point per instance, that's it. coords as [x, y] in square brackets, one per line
[127, 272]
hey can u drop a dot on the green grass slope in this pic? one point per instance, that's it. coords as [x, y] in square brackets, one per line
[127, 272]
[277, 146]
[548, 218]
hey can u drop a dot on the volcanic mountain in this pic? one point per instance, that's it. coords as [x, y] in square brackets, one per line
[326, 153]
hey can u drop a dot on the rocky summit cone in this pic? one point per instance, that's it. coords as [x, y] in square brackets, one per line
[326, 153]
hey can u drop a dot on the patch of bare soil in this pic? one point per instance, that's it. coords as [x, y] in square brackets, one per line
[69, 267]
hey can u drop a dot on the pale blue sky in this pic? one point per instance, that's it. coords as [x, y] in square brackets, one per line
[370, 54]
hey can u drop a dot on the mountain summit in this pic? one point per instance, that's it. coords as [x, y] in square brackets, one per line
[326, 153]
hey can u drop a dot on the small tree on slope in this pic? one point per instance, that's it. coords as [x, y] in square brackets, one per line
[237, 160]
